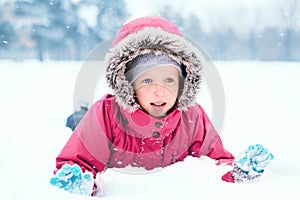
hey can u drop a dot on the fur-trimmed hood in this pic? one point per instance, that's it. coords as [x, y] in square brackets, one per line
[158, 35]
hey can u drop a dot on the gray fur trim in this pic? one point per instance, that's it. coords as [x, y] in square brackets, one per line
[158, 41]
[240, 176]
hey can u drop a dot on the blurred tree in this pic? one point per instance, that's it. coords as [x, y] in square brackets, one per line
[111, 16]
[189, 26]
[289, 13]
[252, 44]
[70, 29]
[7, 35]
[62, 34]
[269, 44]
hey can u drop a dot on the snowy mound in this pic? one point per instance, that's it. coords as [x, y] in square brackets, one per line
[262, 106]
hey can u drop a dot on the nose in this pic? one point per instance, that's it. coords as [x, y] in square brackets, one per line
[158, 91]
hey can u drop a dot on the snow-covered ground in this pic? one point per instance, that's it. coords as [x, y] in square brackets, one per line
[262, 106]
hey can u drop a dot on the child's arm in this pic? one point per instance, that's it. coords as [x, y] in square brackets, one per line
[88, 147]
[77, 151]
[248, 166]
[89, 144]
[207, 141]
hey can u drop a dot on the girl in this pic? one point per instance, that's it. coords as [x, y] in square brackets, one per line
[151, 120]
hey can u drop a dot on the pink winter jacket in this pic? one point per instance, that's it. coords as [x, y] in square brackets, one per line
[109, 136]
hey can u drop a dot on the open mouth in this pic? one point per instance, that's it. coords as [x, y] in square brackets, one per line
[158, 107]
[158, 104]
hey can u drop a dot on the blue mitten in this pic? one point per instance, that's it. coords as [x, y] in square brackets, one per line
[251, 164]
[71, 178]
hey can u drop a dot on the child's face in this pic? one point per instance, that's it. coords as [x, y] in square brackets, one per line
[157, 90]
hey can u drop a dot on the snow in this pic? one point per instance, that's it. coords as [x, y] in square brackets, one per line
[262, 106]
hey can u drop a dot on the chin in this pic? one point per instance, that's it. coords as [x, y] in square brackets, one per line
[158, 115]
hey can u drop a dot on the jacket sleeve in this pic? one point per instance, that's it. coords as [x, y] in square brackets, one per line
[208, 142]
[89, 144]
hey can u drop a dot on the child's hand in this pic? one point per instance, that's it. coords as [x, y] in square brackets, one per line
[249, 165]
[71, 178]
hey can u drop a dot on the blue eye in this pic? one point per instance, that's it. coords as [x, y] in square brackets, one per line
[169, 80]
[147, 80]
